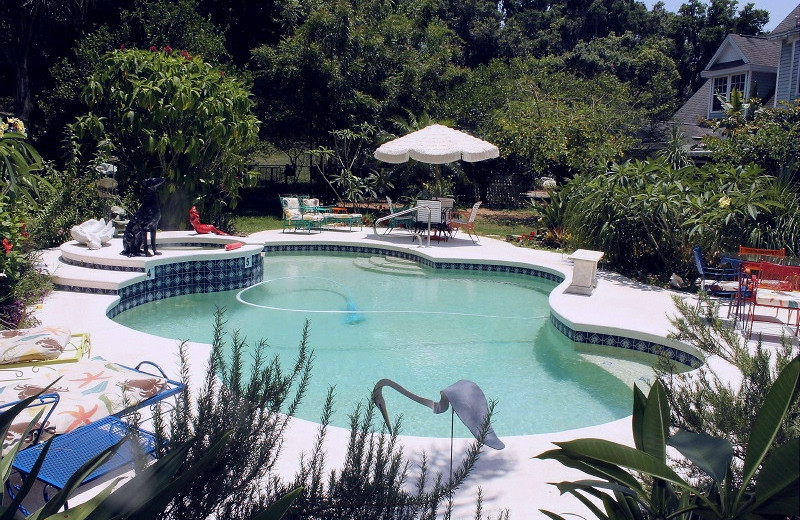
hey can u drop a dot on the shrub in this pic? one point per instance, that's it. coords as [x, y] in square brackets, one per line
[21, 282]
[169, 114]
[701, 401]
[646, 216]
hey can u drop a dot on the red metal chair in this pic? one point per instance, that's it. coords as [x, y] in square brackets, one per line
[765, 252]
[777, 287]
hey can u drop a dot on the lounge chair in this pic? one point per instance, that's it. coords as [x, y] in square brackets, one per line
[467, 225]
[36, 347]
[293, 215]
[87, 390]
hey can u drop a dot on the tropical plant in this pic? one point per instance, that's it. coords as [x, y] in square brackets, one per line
[21, 282]
[769, 485]
[769, 137]
[674, 151]
[647, 216]
[18, 163]
[169, 114]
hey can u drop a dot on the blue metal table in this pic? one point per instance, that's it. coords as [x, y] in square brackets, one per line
[70, 451]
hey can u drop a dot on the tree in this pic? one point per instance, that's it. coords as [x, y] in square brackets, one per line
[23, 34]
[768, 137]
[352, 62]
[135, 24]
[549, 121]
[644, 65]
[170, 114]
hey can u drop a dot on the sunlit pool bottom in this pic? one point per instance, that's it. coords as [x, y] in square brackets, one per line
[424, 330]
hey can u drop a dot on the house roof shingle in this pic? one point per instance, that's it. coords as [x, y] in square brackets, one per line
[696, 107]
[789, 23]
[758, 50]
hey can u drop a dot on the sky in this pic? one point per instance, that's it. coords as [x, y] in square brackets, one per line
[778, 9]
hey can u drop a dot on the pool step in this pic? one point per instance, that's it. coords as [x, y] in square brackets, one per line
[390, 265]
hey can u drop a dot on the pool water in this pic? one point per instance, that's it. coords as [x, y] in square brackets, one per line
[425, 332]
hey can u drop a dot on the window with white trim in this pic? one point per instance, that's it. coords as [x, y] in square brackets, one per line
[737, 82]
[720, 90]
[723, 86]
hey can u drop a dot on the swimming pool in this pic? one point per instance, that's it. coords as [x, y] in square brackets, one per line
[423, 328]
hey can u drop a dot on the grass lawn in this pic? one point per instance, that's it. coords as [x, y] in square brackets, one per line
[489, 222]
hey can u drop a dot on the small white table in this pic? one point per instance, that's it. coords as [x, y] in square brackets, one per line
[584, 271]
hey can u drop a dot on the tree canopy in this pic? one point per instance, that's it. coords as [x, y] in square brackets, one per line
[168, 114]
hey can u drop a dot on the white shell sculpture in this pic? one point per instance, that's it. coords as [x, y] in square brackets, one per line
[93, 233]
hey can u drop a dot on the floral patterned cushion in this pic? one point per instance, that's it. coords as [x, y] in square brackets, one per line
[39, 344]
[88, 390]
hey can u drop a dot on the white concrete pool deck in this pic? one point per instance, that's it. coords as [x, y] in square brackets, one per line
[509, 479]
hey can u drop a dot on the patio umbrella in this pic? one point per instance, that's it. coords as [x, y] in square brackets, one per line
[436, 144]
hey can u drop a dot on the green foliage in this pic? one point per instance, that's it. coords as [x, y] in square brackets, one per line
[645, 65]
[345, 63]
[74, 200]
[170, 114]
[646, 216]
[768, 137]
[769, 485]
[549, 121]
[18, 163]
[20, 283]
[674, 151]
[702, 401]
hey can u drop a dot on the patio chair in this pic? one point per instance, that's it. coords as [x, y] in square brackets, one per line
[764, 252]
[467, 225]
[718, 283]
[41, 346]
[428, 216]
[776, 287]
[88, 390]
[405, 221]
[293, 215]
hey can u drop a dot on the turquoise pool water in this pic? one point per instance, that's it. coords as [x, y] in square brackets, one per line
[425, 331]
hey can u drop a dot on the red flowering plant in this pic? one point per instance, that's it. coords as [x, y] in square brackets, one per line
[13, 261]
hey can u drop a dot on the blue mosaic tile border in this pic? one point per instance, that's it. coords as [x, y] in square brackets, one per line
[134, 269]
[451, 266]
[190, 277]
[92, 265]
[639, 345]
[88, 290]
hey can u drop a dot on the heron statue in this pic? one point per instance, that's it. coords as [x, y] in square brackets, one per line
[467, 399]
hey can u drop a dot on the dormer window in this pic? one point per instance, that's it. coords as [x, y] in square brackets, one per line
[723, 86]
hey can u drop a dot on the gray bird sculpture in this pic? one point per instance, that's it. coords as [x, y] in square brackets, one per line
[468, 401]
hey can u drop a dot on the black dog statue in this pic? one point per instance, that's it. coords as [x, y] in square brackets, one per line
[134, 240]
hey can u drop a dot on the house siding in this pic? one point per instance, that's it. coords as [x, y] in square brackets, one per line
[764, 83]
[786, 89]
